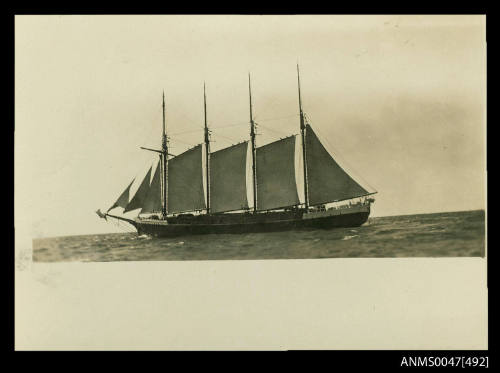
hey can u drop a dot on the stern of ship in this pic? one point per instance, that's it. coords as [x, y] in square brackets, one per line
[346, 216]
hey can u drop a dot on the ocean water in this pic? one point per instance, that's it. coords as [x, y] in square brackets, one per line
[451, 234]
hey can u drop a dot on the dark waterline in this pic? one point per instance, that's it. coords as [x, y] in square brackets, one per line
[451, 234]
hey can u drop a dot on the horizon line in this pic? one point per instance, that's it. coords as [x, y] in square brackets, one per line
[381, 216]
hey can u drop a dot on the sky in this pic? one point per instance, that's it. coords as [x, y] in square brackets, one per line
[399, 101]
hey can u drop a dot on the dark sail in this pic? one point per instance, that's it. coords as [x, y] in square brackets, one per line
[152, 203]
[213, 186]
[327, 181]
[228, 178]
[276, 185]
[185, 181]
[140, 196]
[122, 201]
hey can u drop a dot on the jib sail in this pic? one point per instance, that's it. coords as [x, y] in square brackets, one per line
[122, 201]
[152, 203]
[138, 199]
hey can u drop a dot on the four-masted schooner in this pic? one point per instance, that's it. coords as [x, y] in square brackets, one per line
[185, 197]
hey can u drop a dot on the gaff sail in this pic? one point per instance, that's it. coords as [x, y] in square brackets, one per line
[138, 199]
[228, 178]
[326, 180]
[185, 181]
[276, 184]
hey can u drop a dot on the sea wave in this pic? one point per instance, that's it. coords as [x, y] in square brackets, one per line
[429, 235]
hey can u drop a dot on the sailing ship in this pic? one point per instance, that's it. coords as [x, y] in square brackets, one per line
[187, 196]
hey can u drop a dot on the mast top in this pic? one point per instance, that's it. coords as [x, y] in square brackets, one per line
[251, 107]
[302, 121]
[164, 134]
[205, 103]
[205, 113]
[298, 84]
[163, 106]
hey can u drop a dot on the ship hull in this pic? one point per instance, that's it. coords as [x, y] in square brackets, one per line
[352, 217]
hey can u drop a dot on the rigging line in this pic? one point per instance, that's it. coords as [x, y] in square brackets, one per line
[121, 227]
[255, 117]
[230, 125]
[272, 129]
[141, 129]
[136, 178]
[127, 228]
[116, 224]
[337, 154]
[142, 175]
[148, 134]
[144, 140]
[184, 142]
[191, 122]
[150, 162]
[272, 119]
[233, 125]
[129, 129]
[350, 168]
[266, 106]
[227, 138]
[237, 143]
[181, 133]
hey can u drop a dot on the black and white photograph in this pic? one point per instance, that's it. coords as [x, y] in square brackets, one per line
[323, 159]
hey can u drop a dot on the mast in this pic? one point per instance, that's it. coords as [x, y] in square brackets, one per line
[303, 135]
[164, 156]
[207, 149]
[252, 136]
